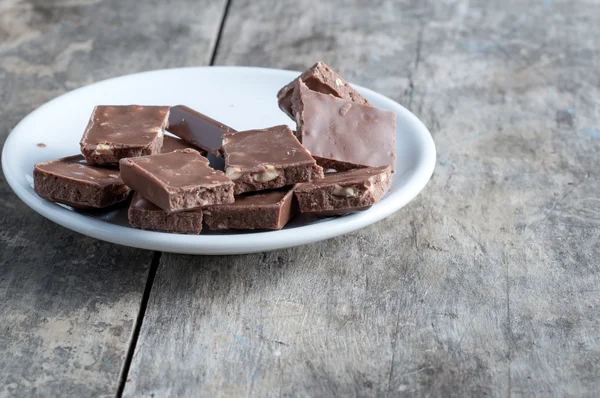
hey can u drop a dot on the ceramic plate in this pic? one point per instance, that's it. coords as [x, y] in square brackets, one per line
[243, 98]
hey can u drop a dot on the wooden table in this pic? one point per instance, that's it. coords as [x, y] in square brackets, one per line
[487, 284]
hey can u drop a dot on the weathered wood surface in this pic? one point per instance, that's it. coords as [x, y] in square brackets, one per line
[68, 303]
[486, 284]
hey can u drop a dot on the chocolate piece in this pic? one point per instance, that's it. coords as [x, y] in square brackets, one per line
[143, 214]
[171, 144]
[323, 79]
[266, 159]
[197, 129]
[175, 181]
[118, 132]
[341, 134]
[344, 191]
[264, 210]
[73, 182]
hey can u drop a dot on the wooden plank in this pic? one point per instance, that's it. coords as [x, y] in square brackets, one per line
[485, 284]
[68, 304]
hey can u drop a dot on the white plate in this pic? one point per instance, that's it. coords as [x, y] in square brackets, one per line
[243, 98]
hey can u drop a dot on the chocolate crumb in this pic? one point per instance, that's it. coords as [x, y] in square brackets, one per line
[41, 145]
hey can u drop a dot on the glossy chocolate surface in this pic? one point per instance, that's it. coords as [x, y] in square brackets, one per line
[262, 210]
[176, 181]
[132, 125]
[197, 129]
[323, 79]
[73, 182]
[253, 149]
[337, 129]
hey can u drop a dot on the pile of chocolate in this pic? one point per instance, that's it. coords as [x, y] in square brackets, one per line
[338, 161]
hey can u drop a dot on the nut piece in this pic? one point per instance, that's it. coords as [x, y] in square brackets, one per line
[269, 175]
[338, 82]
[344, 192]
[103, 149]
[344, 109]
[233, 173]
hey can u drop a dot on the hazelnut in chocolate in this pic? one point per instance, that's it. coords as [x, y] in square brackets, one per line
[341, 134]
[176, 181]
[260, 210]
[118, 132]
[143, 214]
[323, 79]
[265, 159]
[344, 192]
[73, 182]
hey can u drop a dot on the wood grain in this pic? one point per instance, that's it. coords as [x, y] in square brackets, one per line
[68, 303]
[486, 284]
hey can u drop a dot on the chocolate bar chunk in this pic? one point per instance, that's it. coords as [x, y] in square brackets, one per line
[341, 134]
[175, 181]
[345, 191]
[118, 132]
[143, 214]
[264, 210]
[323, 79]
[73, 182]
[265, 159]
[171, 144]
[197, 129]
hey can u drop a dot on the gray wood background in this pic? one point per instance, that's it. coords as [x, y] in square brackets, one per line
[486, 284]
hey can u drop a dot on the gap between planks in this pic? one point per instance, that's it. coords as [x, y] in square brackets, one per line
[138, 323]
[157, 255]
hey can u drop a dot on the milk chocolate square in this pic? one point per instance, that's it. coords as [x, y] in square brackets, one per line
[345, 191]
[176, 181]
[143, 214]
[323, 79]
[265, 159]
[341, 134]
[73, 182]
[197, 129]
[260, 210]
[118, 132]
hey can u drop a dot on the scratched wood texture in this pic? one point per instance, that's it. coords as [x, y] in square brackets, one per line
[486, 284]
[68, 303]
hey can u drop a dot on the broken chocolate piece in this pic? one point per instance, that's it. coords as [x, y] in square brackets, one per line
[323, 79]
[263, 210]
[265, 159]
[197, 129]
[143, 214]
[176, 181]
[341, 134]
[118, 132]
[171, 144]
[73, 182]
[344, 191]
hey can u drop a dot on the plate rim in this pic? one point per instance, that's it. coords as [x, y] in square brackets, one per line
[213, 244]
